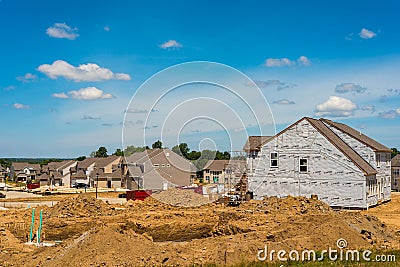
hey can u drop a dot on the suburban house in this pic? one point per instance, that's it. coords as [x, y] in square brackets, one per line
[24, 172]
[58, 173]
[81, 173]
[224, 171]
[339, 164]
[109, 172]
[159, 169]
[3, 173]
[396, 173]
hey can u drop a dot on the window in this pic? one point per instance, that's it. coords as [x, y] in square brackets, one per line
[396, 172]
[388, 156]
[215, 179]
[274, 159]
[168, 165]
[162, 165]
[207, 171]
[156, 165]
[208, 179]
[303, 165]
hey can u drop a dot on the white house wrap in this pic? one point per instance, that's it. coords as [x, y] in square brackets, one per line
[343, 167]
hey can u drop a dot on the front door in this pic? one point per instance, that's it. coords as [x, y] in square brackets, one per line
[108, 184]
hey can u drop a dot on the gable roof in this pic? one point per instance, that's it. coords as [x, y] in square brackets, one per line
[255, 142]
[56, 165]
[358, 136]
[103, 162]
[335, 140]
[216, 165]
[163, 156]
[396, 161]
[19, 166]
[342, 146]
[84, 164]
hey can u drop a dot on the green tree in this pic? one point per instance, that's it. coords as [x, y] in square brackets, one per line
[101, 152]
[181, 149]
[157, 144]
[395, 152]
[81, 158]
[129, 150]
[118, 152]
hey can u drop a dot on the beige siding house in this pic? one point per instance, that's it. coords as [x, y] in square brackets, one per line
[224, 171]
[23, 171]
[160, 169]
[396, 173]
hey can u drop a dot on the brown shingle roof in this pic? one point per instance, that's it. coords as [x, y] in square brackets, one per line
[18, 166]
[84, 164]
[255, 142]
[358, 135]
[103, 162]
[396, 161]
[342, 146]
[79, 174]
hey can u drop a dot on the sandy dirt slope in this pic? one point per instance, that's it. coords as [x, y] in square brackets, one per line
[146, 233]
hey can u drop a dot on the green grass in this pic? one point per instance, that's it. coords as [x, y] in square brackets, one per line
[325, 262]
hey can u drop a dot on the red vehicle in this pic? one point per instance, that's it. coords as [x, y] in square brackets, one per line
[33, 185]
[138, 194]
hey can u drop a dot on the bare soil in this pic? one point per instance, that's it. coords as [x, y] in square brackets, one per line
[152, 233]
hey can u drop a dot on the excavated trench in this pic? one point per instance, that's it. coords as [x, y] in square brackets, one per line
[179, 232]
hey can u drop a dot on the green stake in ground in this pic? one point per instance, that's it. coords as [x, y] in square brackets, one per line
[32, 225]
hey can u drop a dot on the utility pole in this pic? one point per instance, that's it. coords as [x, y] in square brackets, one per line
[97, 182]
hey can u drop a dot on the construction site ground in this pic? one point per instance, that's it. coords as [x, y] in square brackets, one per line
[85, 231]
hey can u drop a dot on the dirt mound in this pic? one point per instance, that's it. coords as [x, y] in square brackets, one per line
[289, 206]
[181, 198]
[106, 246]
[372, 229]
[152, 233]
[81, 206]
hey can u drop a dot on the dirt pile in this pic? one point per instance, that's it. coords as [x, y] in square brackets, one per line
[181, 198]
[152, 233]
[290, 206]
[372, 229]
[81, 206]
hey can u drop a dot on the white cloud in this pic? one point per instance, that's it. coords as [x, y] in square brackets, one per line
[107, 28]
[279, 62]
[390, 114]
[29, 77]
[282, 62]
[9, 88]
[21, 106]
[367, 34]
[83, 73]
[88, 93]
[398, 111]
[369, 108]
[349, 87]
[304, 61]
[336, 107]
[137, 110]
[170, 44]
[284, 102]
[62, 30]
[88, 117]
[60, 95]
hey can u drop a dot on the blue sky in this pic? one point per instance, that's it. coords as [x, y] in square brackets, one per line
[70, 68]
